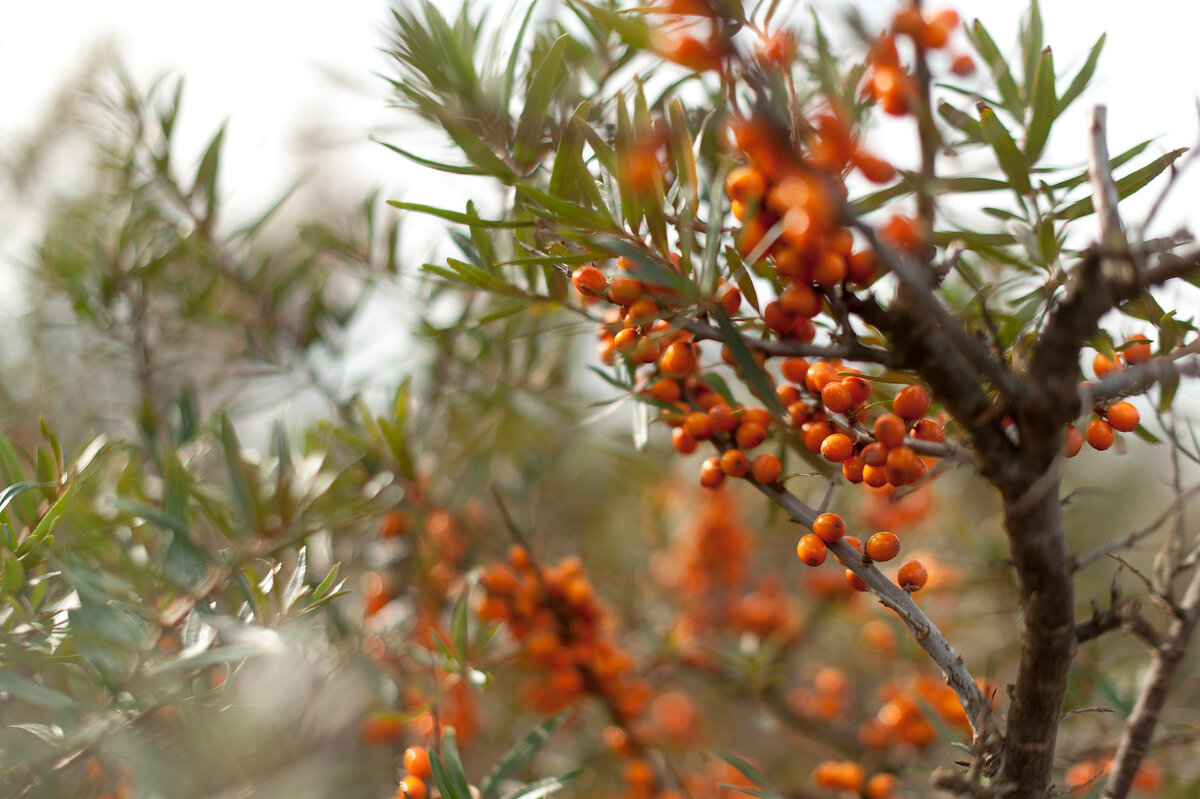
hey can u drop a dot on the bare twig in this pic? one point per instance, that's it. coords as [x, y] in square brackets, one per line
[1116, 266]
[1083, 561]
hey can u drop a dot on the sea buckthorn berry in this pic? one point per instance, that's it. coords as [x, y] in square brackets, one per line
[819, 375]
[643, 311]
[698, 426]
[963, 65]
[912, 576]
[829, 269]
[1102, 365]
[416, 760]
[1100, 434]
[829, 526]
[815, 433]
[929, 430]
[776, 317]
[682, 443]
[722, 418]
[800, 300]
[766, 469]
[1136, 352]
[844, 776]
[875, 476]
[666, 390]
[882, 786]
[837, 448]
[859, 388]
[883, 546]
[745, 183]
[625, 290]
[812, 550]
[678, 359]
[854, 543]
[787, 394]
[799, 413]
[518, 557]
[589, 280]
[647, 350]
[749, 435]
[1123, 416]
[412, 787]
[735, 463]
[395, 523]
[626, 340]
[900, 232]
[890, 431]
[794, 370]
[758, 416]
[730, 297]
[836, 397]
[1072, 442]
[711, 475]
[852, 469]
[874, 454]
[860, 267]
[802, 330]
[901, 465]
[911, 402]
[856, 582]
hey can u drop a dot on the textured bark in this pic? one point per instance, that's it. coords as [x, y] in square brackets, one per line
[1033, 520]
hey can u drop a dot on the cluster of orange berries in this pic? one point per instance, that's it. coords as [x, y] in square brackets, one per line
[560, 625]
[888, 83]
[1117, 417]
[812, 549]
[414, 784]
[1085, 775]
[847, 775]
[902, 719]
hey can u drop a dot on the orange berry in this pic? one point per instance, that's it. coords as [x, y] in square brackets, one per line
[745, 184]
[698, 426]
[589, 280]
[800, 300]
[665, 390]
[829, 269]
[766, 469]
[860, 267]
[836, 397]
[859, 388]
[412, 787]
[874, 454]
[682, 443]
[416, 760]
[928, 430]
[901, 465]
[722, 418]
[1136, 352]
[626, 340]
[912, 576]
[819, 375]
[815, 433]
[1123, 416]
[852, 469]
[875, 476]
[518, 557]
[678, 359]
[856, 582]
[845, 776]
[638, 772]
[646, 351]
[962, 65]
[787, 394]
[829, 526]
[883, 547]
[758, 416]
[1073, 442]
[380, 731]
[874, 169]
[395, 523]
[1102, 365]
[794, 370]
[812, 550]
[625, 290]
[735, 463]
[730, 298]
[711, 475]
[882, 786]
[911, 402]
[837, 448]
[749, 435]
[890, 431]
[1099, 434]
[776, 317]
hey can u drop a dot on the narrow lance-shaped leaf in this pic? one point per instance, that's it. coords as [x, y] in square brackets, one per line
[516, 757]
[1044, 108]
[543, 86]
[1007, 154]
[1031, 41]
[1125, 186]
[1009, 93]
[1083, 77]
[747, 366]
[543, 787]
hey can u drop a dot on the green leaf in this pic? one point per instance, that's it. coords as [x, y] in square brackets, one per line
[296, 585]
[205, 182]
[34, 693]
[454, 169]
[1010, 95]
[543, 86]
[961, 120]
[1044, 108]
[510, 69]
[1083, 76]
[1007, 155]
[453, 763]
[646, 267]
[49, 521]
[1032, 40]
[1125, 186]
[457, 216]
[516, 757]
[966, 185]
[543, 787]
[747, 367]
[458, 624]
[14, 490]
[1116, 161]
[748, 771]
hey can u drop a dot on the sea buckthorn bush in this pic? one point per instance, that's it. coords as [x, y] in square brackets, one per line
[703, 311]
